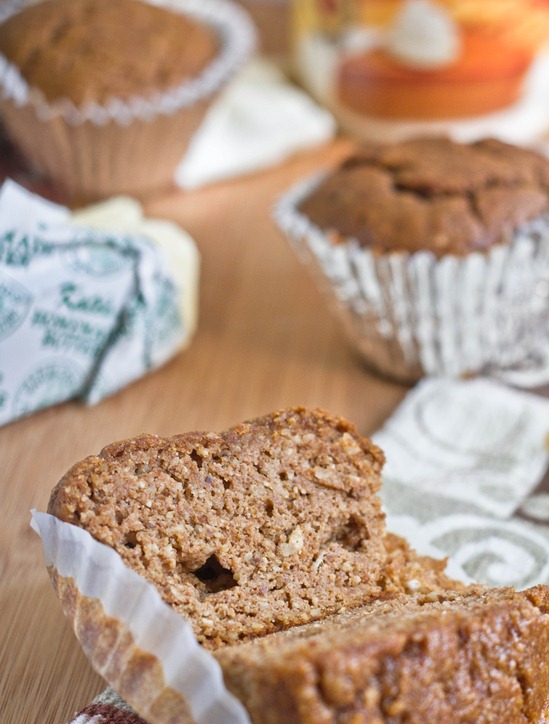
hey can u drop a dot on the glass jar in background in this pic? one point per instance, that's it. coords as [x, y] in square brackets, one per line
[387, 65]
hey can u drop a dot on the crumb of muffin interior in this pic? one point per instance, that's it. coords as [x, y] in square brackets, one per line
[270, 524]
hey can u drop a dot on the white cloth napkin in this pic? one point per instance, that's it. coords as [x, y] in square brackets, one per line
[259, 120]
[466, 477]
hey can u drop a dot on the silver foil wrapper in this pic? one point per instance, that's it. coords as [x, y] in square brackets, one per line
[411, 315]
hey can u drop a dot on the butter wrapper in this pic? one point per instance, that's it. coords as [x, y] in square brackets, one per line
[84, 310]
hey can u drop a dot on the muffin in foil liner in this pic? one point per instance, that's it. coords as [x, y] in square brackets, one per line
[411, 315]
[144, 650]
[124, 146]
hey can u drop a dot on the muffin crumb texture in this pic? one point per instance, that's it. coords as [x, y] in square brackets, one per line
[270, 539]
[271, 524]
[432, 194]
[471, 656]
[89, 51]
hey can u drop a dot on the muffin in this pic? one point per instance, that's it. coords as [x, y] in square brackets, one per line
[267, 540]
[435, 254]
[240, 519]
[104, 97]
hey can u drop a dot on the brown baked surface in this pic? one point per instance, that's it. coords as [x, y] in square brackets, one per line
[94, 50]
[269, 538]
[478, 656]
[432, 194]
[270, 524]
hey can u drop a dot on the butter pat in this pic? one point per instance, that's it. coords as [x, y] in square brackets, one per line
[125, 214]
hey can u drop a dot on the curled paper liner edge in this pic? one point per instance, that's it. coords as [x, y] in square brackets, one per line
[411, 314]
[143, 649]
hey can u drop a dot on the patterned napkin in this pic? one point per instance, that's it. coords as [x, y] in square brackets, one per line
[466, 477]
[107, 708]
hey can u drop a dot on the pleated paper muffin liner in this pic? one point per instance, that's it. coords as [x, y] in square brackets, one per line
[411, 315]
[123, 146]
[143, 649]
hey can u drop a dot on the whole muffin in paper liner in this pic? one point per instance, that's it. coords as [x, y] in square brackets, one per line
[116, 116]
[434, 255]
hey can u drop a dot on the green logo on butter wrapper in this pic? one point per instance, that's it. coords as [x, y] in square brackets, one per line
[52, 382]
[97, 256]
[15, 302]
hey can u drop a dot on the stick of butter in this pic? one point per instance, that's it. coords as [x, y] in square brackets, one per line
[124, 213]
[89, 302]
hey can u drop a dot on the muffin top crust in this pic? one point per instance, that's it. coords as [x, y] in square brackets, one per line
[94, 50]
[432, 194]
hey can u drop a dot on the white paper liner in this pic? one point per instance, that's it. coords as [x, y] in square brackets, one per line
[99, 573]
[411, 314]
[238, 39]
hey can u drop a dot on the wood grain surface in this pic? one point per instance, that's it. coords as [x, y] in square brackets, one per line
[264, 341]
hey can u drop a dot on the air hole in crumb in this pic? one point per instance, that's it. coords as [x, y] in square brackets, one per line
[351, 534]
[227, 484]
[214, 576]
[197, 458]
[130, 539]
[283, 475]
[119, 517]
[269, 508]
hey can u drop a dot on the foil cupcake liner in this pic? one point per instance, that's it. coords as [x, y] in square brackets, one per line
[411, 315]
[124, 146]
[141, 647]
